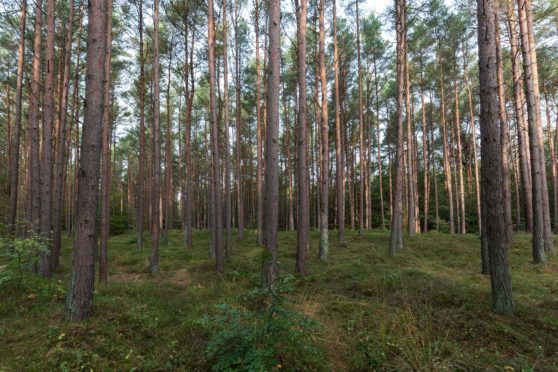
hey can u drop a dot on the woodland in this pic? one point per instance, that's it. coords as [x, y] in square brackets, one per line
[262, 185]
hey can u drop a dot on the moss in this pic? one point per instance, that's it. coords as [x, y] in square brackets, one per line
[426, 308]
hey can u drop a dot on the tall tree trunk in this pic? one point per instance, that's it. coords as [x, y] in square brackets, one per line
[34, 117]
[169, 197]
[521, 125]
[361, 150]
[552, 157]
[445, 150]
[61, 155]
[140, 197]
[46, 144]
[425, 151]
[340, 166]
[80, 291]
[303, 220]
[538, 173]
[259, 161]
[216, 206]
[270, 265]
[324, 166]
[228, 201]
[16, 132]
[156, 149]
[396, 239]
[239, 173]
[461, 190]
[106, 158]
[504, 131]
[189, 96]
[379, 152]
[411, 191]
[491, 159]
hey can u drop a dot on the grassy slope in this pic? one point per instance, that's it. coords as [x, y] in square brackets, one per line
[427, 308]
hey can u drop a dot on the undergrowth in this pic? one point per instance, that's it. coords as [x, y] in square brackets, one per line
[427, 308]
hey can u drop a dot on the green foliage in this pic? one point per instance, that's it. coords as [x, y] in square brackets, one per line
[17, 255]
[265, 338]
[118, 224]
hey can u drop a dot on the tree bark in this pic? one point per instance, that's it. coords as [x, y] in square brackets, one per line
[521, 125]
[106, 157]
[228, 201]
[156, 150]
[80, 291]
[538, 174]
[270, 267]
[340, 166]
[259, 175]
[396, 239]
[239, 173]
[504, 131]
[303, 220]
[16, 132]
[216, 206]
[491, 159]
[324, 166]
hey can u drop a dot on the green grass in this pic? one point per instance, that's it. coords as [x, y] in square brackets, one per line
[428, 308]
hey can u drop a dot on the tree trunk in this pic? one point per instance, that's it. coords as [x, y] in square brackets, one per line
[216, 206]
[445, 149]
[228, 202]
[339, 174]
[259, 185]
[396, 239]
[538, 174]
[80, 291]
[270, 265]
[46, 144]
[303, 220]
[106, 158]
[362, 151]
[461, 185]
[61, 155]
[156, 150]
[16, 132]
[239, 174]
[324, 166]
[504, 131]
[521, 125]
[412, 195]
[140, 197]
[491, 159]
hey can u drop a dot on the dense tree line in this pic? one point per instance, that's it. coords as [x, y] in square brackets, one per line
[277, 116]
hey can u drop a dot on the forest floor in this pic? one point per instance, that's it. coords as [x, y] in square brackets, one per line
[428, 308]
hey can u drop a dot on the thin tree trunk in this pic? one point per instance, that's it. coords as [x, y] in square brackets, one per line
[396, 239]
[412, 195]
[339, 174]
[461, 185]
[259, 185]
[521, 125]
[504, 131]
[362, 151]
[106, 158]
[140, 197]
[303, 220]
[80, 291]
[216, 206]
[61, 155]
[156, 150]
[538, 176]
[270, 267]
[445, 149]
[16, 132]
[324, 190]
[239, 173]
[228, 201]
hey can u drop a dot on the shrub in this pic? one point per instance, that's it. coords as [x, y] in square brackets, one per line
[265, 338]
[17, 254]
